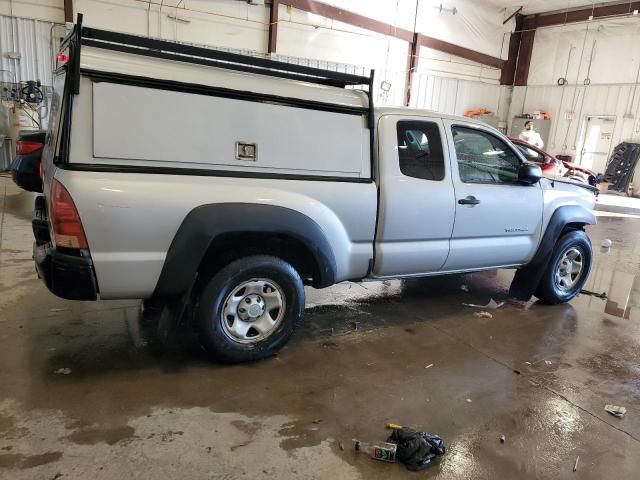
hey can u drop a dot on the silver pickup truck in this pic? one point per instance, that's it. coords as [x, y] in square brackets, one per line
[216, 186]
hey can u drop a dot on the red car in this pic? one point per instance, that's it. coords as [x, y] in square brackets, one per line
[550, 165]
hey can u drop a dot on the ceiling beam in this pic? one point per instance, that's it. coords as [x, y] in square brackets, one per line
[583, 14]
[361, 21]
[355, 19]
[459, 51]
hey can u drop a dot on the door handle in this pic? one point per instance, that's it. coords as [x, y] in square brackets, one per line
[470, 200]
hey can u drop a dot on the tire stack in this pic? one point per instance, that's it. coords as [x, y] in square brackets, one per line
[621, 166]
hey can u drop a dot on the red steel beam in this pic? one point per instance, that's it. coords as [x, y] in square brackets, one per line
[273, 26]
[528, 34]
[345, 16]
[68, 11]
[413, 62]
[459, 51]
[361, 21]
[582, 15]
[508, 73]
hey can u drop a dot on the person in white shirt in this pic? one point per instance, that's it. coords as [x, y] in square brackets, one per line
[530, 136]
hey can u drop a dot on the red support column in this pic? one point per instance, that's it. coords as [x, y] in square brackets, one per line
[508, 74]
[526, 49]
[273, 26]
[68, 10]
[413, 62]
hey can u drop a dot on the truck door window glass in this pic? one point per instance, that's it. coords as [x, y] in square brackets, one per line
[483, 158]
[420, 150]
[529, 153]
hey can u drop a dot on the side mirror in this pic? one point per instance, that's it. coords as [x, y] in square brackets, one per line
[529, 174]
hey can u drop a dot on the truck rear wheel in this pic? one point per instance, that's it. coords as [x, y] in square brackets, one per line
[568, 269]
[249, 309]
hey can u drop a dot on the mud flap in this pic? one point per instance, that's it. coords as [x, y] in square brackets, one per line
[526, 280]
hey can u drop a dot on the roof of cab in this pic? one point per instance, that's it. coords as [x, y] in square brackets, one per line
[419, 112]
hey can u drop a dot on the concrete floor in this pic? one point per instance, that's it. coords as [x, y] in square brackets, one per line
[124, 410]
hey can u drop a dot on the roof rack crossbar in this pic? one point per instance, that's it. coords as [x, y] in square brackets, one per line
[204, 56]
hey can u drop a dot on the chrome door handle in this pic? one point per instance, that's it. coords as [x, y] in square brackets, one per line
[470, 200]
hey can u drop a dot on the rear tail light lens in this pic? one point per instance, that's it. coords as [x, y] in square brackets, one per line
[65, 221]
[26, 147]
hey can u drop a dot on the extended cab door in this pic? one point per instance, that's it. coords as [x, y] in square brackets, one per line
[417, 205]
[498, 220]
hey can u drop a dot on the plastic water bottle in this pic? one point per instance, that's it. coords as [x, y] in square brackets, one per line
[383, 451]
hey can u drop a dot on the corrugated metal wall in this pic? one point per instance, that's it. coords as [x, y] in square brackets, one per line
[453, 95]
[621, 101]
[32, 40]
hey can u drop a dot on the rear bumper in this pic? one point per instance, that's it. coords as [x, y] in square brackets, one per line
[66, 276]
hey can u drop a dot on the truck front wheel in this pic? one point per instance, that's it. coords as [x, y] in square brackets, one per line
[249, 309]
[568, 269]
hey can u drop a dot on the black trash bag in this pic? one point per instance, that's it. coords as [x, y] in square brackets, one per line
[416, 450]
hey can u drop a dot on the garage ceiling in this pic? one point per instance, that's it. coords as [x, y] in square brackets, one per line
[539, 6]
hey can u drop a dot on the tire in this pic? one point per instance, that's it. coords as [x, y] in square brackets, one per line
[237, 316]
[558, 284]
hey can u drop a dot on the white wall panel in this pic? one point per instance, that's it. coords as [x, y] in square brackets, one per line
[32, 40]
[566, 51]
[47, 10]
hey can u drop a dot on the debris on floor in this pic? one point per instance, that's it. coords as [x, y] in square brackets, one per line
[615, 410]
[416, 450]
[468, 400]
[575, 465]
[429, 366]
[606, 243]
[63, 371]
[464, 288]
[502, 438]
[492, 305]
[547, 362]
[602, 295]
[383, 451]
[482, 315]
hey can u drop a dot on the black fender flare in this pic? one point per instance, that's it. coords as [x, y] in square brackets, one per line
[527, 278]
[203, 224]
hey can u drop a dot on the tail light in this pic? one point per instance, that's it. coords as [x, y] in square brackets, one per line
[65, 221]
[25, 147]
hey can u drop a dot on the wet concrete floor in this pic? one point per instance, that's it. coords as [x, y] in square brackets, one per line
[84, 395]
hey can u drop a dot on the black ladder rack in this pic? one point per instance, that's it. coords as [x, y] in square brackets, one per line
[151, 47]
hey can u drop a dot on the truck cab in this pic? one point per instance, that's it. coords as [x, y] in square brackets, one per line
[453, 197]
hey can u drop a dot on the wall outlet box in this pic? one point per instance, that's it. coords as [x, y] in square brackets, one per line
[13, 55]
[628, 116]
[568, 115]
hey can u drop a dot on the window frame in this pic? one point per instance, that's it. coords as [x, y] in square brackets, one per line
[478, 128]
[409, 122]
